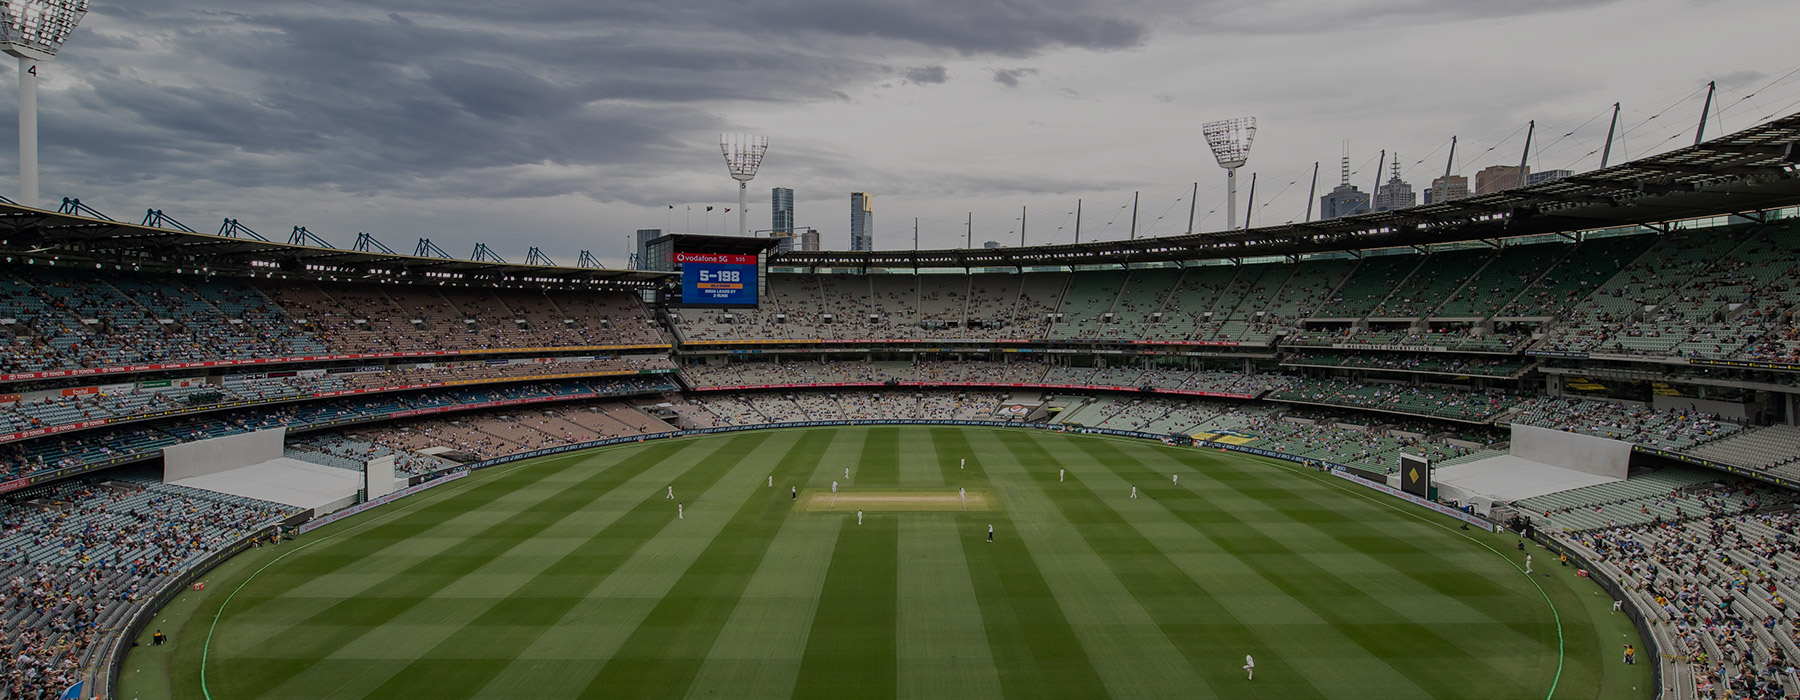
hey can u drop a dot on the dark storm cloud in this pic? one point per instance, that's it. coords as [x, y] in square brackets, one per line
[454, 99]
[1010, 76]
[927, 75]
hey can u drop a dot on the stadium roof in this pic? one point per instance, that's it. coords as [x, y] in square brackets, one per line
[81, 235]
[1749, 171]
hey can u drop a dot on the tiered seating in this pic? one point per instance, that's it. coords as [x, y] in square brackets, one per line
[1300, 296]
[1775, 448]
[1199, 303]
[1143, 295]
[1433, 401]
[1669, 494]
[1372, 282]
[1249, 318]
[1630, 422]
[79, 559]
[1716, 593]
[1437, 277]
[102, 444]
[1636, 311]
[1084, 307]
[1471, 365]
[1502, 278]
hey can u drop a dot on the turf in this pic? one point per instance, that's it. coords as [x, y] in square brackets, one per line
[572, 577]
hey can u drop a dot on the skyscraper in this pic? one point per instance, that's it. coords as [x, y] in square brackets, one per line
[781, 209]
[1498, 177]
[862, 221]
[1345, 199]
[1395, 193]
[781, 218]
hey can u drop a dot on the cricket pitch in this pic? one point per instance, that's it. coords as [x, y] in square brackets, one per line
[896, 501]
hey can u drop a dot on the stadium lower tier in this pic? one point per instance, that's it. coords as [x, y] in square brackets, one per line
[436, 431]
[49, 458]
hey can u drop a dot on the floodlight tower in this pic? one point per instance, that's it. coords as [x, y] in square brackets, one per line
[33, 30]
[1230, 141]
[743, 153]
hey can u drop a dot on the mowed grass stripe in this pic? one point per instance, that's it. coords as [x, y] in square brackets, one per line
[1419, 651]
[879, 465]
[573, 648]
[1472, 587]
[759, 651]
[407, 614]
[661, 658]
[510, 616]
[1035, 650]
[1481, 590]
[943, 647]
[850, 652]
[920, 462]
[368, 549]
[1193, 616]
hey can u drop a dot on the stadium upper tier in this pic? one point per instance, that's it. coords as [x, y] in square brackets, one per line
[1724, 291]
[56, 320]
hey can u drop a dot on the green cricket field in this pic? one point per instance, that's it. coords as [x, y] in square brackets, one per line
[573, 576]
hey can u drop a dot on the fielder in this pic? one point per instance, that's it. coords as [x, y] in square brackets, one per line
[990, 532]
[1134, 492]
[962, 462]
[1528, 563]
[1177, 479]
[846, 473]
[1059, 475]
[964, 495]
[794, 492]
[771, 481]
[834, 488]
[859, 517]
[680, 513]
[671, 495]
[1250, 667]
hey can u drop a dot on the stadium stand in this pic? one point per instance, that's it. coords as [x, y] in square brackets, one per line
[1716, 585]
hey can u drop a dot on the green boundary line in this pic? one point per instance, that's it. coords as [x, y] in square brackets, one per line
[206, 646]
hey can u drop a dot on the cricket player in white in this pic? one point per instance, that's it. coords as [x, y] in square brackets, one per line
[962, 462]
[1528, 563]
[1059, 475]
[846, 473]
[834, 487]
[1177, 479]
[1250, 667]
[859, 517]
[964, 495]
[671, 495]
[1134, 492]
[680, 513]
[771, 481]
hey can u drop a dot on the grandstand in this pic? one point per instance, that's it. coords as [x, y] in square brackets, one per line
[1652, 303]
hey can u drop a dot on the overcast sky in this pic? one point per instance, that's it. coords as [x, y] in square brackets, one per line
[567, 124]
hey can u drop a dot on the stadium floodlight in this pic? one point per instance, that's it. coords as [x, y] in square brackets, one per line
[33, 31]
[1230, 141]
[743, 154]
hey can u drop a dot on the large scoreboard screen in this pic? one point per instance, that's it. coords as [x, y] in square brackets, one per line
[717, 279]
